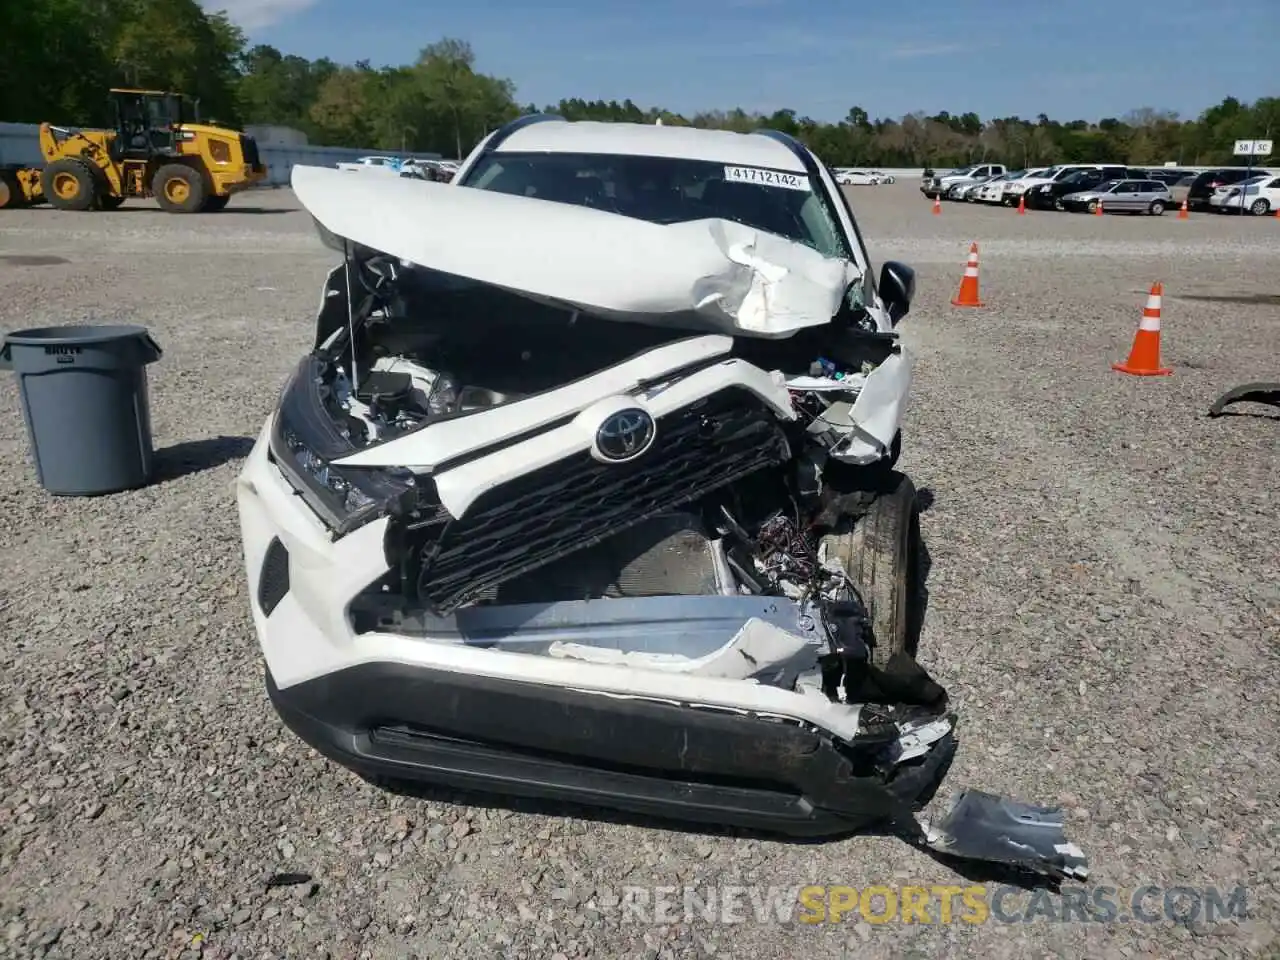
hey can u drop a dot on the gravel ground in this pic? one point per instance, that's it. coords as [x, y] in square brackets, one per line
[1104, 606]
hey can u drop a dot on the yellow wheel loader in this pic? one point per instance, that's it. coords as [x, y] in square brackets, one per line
[158, 149]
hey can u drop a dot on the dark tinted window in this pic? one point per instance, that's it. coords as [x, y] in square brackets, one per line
[668, 190]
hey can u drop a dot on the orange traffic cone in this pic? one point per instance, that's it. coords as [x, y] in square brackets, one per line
[1144, 358]
[937, 204]
[968, 293]
[1022, 205]
[1185, 212]
[1097, 211]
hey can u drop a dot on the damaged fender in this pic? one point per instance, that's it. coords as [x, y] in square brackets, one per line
[983, 826]
[872, 420]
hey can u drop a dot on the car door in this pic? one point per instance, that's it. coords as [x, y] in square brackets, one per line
[1089, 180]
[1125, 196]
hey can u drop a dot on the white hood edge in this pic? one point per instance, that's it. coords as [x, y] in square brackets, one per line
[738, 279]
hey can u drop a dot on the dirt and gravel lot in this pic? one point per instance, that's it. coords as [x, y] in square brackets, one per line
[1104, 606]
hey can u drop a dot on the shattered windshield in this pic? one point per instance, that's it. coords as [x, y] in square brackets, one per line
[671, 190]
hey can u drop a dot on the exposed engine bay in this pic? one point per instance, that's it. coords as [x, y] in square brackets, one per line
[753, 494]
[418, 346]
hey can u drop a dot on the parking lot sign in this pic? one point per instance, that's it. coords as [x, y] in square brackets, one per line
[1253, 148]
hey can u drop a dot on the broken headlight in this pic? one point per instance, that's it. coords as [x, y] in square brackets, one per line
[305, 440]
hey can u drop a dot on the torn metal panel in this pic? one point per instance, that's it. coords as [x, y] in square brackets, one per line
[760, 652]
[864, 428]
[916, 737]
[983, 826]
[726, 275]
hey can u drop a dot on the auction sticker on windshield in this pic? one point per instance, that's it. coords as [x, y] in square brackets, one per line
[767, 178]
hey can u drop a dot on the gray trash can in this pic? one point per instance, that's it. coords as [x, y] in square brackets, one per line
[84, 398]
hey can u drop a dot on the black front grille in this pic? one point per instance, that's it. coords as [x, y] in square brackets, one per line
[273, 583]
[249, 147]
[578, 502]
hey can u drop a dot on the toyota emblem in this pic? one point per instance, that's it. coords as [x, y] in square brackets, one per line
[625, 435]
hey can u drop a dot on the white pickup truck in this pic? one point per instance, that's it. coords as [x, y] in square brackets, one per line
[938, 186]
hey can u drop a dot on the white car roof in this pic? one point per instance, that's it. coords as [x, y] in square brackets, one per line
[650, 140]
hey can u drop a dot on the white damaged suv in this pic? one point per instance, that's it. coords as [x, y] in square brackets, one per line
[584, 490]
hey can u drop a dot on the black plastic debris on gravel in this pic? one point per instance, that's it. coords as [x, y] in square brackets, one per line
[288, 879]
[1247, 299]
[32, 260]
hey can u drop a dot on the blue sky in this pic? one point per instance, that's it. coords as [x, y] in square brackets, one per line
[1068, 58]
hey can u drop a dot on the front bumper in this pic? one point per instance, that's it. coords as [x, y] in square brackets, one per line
[472, 702]
[1230, 204]
[1041, 201]
[230, 182]
[659, 759]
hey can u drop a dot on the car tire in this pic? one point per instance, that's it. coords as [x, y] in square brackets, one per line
[1157, 208]
[1260, 207]
[880, 552]
[1092, 206]
[69, 185]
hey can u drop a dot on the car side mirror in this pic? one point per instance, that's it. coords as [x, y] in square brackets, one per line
[897, 288]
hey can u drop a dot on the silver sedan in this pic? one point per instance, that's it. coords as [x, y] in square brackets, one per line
[1127, 196]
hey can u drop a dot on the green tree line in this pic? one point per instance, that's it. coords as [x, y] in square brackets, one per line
[58, 57]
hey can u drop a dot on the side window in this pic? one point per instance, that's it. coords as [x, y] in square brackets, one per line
[1274, 184]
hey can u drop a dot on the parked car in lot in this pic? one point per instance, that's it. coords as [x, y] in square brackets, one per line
[436, 170]
[1259, 195]
[965, 189]
[1121, 196]
[1076, 179]
[993, 191]
[858, 178]
[1206, 183]
[1169, 175]
[884, 177]
[1016, 187]
[1180, 189]
[940, 186]
[378, 164]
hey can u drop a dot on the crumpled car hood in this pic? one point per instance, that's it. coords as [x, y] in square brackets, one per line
[732, 277]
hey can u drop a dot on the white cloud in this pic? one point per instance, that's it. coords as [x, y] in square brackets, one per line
[256, 14]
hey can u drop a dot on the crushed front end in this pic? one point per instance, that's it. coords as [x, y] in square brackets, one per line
[500, 543]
